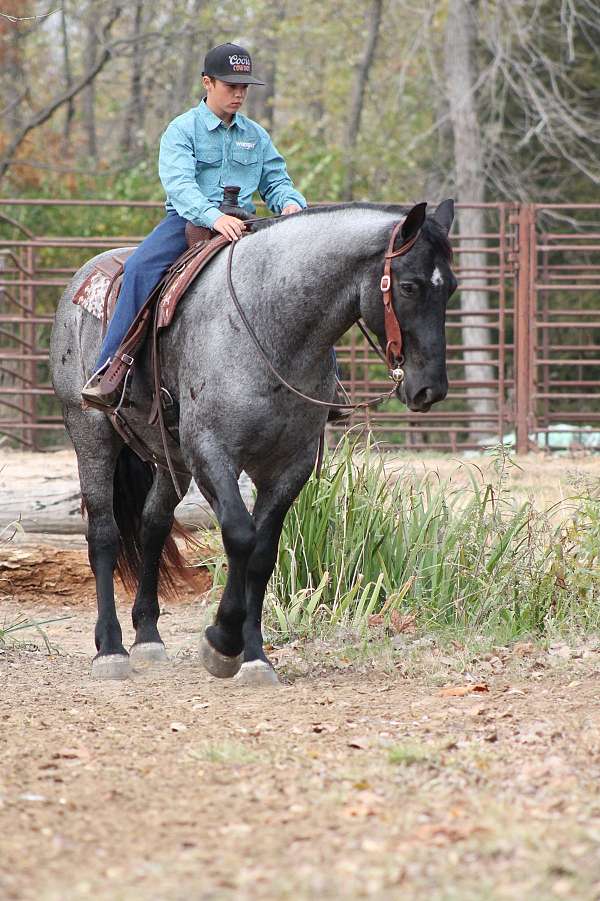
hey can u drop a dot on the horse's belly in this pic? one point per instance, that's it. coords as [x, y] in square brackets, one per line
[257, 436]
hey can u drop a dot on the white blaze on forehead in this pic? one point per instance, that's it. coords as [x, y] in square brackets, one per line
[436, 278]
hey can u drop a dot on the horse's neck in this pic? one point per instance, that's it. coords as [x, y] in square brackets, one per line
[313, 279]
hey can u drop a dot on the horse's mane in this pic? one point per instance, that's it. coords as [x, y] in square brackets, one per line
[432, 231]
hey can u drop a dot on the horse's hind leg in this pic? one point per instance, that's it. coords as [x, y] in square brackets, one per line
[157, 522]
[98, 446]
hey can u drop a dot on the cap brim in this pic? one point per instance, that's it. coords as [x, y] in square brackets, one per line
[238, 79]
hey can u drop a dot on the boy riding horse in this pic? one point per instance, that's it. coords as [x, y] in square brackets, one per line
[202, 151]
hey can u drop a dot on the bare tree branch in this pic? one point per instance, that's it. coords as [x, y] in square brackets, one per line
[358, 93]
[29, 18]
[43, 115]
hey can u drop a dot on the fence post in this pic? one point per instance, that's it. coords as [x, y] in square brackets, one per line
[523, 309]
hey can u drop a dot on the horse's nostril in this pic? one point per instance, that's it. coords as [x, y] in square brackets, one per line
[424, 398]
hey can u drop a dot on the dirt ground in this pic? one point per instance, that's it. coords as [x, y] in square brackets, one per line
[385, 768]
[414, 772]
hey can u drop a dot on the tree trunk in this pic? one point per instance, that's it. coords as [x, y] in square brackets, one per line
[358, 94]
[261, 98]
[134, 116]
[470, 183]
[12, 71]
[70, 107]
[89, 94]
[191, 63]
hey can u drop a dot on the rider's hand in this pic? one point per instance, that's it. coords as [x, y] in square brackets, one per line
[229, 226]
[290, 208]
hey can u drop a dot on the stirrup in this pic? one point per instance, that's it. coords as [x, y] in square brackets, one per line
[92, 396]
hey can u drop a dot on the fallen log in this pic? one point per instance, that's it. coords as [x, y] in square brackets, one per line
[44, 502]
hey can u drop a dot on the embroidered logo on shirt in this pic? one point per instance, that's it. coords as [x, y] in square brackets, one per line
[247, 145]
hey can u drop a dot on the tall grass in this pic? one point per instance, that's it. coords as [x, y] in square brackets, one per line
[358, 542]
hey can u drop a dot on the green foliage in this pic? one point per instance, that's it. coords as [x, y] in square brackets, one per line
[309, 59]
[358, 542]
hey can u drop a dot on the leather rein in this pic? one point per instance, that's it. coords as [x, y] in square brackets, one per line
[393, 334]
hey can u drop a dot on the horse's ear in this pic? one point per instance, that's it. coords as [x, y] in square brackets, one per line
[444, 214]
[413, 222]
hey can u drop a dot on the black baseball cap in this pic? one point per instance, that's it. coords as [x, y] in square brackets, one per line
[230, 63]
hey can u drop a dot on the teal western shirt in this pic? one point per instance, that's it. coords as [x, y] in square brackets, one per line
[199, 155]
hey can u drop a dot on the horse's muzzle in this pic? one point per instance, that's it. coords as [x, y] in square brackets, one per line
[423, 399]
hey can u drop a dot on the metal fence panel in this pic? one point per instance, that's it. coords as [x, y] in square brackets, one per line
[539, 268]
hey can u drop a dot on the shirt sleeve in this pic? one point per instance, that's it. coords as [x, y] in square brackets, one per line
[177, 171]
[276, 187]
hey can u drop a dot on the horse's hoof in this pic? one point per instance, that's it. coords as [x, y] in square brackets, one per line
[111, 666]
[217, 664]
[258, 673]
[147, 653]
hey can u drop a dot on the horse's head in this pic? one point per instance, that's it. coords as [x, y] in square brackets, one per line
[421, 283]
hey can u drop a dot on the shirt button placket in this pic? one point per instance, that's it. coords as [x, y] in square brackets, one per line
[226, 154]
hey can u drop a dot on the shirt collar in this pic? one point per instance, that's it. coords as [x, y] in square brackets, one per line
[212, 121]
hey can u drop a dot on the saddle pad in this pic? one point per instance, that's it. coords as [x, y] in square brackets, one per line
[92, 293]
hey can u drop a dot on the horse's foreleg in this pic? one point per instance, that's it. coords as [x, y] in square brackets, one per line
[157, 522]
[272, 504]
[223, 642]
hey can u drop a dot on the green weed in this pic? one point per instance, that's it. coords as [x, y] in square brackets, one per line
[410, 753]
[8, 632]
[357, 543]
[224, 752]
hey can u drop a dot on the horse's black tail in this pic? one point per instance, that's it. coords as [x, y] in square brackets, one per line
[132, 481]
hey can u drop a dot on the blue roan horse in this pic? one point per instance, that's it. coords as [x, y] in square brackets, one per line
[302, 280]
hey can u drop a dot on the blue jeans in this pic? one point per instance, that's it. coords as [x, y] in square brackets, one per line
[143, 271]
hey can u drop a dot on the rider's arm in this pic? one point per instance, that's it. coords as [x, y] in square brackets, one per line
[276, 187]
[177, 171]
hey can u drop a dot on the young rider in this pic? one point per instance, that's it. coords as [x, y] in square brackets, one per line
[203, 150]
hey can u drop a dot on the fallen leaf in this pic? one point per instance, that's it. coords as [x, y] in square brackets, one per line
[361, 744]
[402, 622]
[79, 753]
[459, 691]
[362, 785]
[366, 805]
[442, 833]
[523, 649]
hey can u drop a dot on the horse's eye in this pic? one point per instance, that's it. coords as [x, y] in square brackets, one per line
[408, 288]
